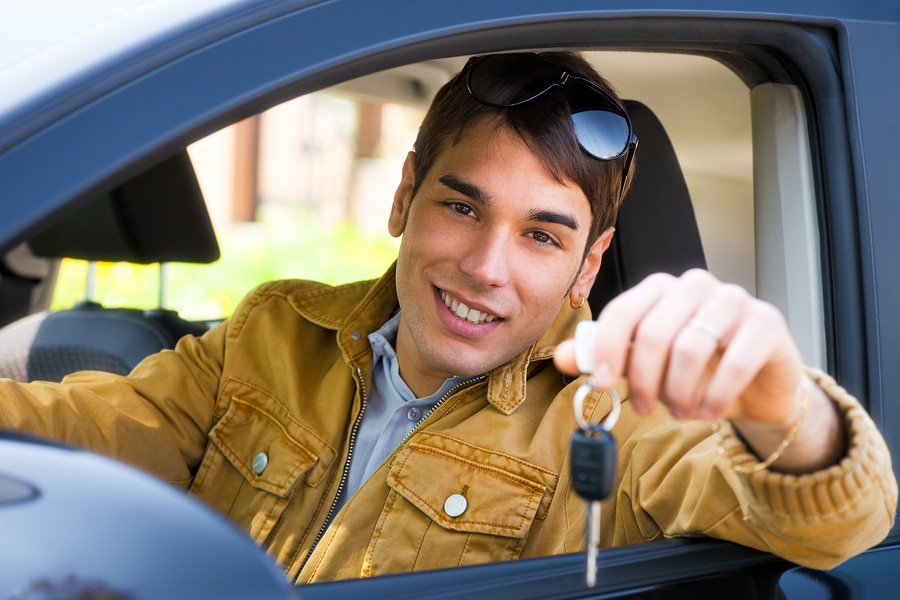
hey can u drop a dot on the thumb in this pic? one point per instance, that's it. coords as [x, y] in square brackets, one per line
[564, 357]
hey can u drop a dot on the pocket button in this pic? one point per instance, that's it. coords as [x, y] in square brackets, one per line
[260, 461]
[455, 505]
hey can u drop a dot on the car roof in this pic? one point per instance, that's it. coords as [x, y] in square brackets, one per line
[28, 29]
[50, 48]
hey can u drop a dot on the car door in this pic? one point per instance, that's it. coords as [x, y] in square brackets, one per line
[821, 200]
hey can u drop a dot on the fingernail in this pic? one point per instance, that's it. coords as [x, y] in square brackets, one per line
[640, 407]
[603, 376]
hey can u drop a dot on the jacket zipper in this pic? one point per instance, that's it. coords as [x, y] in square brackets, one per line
[456, 388]
[354, 431]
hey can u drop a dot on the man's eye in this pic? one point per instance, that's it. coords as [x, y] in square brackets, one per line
[543, 237]
[461, 208]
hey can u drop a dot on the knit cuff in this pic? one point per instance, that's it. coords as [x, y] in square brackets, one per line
[827, 491]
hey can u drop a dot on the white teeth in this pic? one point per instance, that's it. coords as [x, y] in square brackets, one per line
[464, 312]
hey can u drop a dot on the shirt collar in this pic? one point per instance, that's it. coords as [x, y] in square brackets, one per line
[354, 308]
[382, 342]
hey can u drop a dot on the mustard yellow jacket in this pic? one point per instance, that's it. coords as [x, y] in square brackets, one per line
[257, 419]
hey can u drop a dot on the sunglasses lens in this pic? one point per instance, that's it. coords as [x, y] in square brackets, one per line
[601, 124]
[602, 134]
[510, 79]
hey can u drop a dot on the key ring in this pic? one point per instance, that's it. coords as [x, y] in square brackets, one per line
[581, 394]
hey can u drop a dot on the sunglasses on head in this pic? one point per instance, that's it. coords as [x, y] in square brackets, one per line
[602, 125]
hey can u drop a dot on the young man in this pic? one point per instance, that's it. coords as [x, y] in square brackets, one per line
[420, 421]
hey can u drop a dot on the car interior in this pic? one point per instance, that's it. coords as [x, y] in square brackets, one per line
[680, 213]
[157, 217]
[133, 224]
[674, 218]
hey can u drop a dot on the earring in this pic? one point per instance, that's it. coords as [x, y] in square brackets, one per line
[579, 305]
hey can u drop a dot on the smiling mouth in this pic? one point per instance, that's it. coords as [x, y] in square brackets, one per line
[464, 312]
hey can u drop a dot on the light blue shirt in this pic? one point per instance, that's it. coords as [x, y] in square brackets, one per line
[392, 410]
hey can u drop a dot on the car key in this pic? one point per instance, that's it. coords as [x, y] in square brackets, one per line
[593, 464]
[593, 476]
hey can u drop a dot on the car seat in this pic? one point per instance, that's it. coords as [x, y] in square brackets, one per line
[157, 217]
[656, 230]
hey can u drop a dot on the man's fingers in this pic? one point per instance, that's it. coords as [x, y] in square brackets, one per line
[759, 372]
[703, 348]
[659, 329]
[697, 348]
[564, 357]
[608, 339]
[617, 325]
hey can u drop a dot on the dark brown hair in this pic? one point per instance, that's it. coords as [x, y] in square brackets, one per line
[544, 125]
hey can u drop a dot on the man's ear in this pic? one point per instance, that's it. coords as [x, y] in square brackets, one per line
[585, 280]
[402, 197]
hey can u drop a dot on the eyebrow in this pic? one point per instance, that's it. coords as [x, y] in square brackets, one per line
[469, 190]
[477, 194]
[549, 216]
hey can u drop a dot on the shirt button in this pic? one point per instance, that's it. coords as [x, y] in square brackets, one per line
[259, 463]
[455, 505]
[414, 414]
[355, 335]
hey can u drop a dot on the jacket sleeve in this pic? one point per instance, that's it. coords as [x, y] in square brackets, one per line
[156, 418]
[679, 481]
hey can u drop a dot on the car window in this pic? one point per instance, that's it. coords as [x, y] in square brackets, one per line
[299, 191]
[302, 190]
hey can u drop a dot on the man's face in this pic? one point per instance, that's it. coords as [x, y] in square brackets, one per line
[491, 246]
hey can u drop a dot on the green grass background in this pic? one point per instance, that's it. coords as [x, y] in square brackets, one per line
[251, 254]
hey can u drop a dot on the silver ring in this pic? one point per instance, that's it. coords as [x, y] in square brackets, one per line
[705, 327]
[581, 394]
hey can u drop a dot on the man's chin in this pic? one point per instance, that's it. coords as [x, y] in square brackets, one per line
[479, 364]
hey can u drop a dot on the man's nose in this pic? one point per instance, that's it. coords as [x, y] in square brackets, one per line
[487, 258]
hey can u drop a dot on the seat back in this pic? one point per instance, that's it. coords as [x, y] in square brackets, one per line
[656, 230]
[49, 345]
[159, 216]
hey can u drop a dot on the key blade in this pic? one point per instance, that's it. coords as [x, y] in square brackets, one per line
[593, 543]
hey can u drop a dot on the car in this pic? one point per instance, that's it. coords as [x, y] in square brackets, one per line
[768, 154]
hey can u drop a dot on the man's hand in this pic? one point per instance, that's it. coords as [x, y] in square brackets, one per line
[708, 350]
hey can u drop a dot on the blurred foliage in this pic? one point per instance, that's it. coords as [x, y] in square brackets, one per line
[252, 253]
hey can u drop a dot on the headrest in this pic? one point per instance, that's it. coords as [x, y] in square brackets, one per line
[158, 216]
[656, 230]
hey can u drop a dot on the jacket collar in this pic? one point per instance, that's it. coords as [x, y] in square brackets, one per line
[358, 309]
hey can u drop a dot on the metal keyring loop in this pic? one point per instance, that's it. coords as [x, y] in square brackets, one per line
[582, 393]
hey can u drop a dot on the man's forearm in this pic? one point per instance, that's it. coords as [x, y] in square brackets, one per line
[819, 442]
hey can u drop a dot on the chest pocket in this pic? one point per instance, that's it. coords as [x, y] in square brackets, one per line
[258, 454]
[454, 502]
